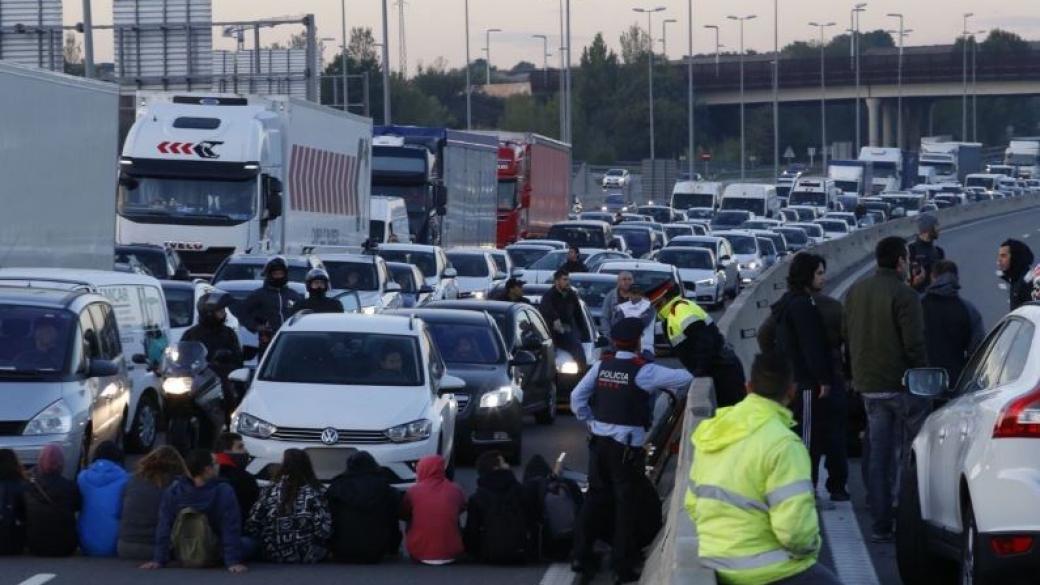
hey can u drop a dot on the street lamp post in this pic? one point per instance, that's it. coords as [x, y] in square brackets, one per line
[545, 55]
[487, 50]
[717, 45]
[743, 154]
[88, 41]
[823, 96]
[776, 89]
[690, 152]
[386, 68]
[964, 91]
[899, 99]
[469, 83]
[343, 55]
[664, 36]
[650, 73]
[854, 21]
[974, 88]
[563, 80]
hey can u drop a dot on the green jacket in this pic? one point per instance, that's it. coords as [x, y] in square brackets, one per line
[751, 495]
[885, 331]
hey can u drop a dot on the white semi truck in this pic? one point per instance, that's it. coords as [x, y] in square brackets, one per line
[887, 166]
[945, 161]
[213, 175]
[59, 139]
[1024, 155]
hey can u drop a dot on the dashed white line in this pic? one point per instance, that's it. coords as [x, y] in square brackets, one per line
[557, 574]
[38, 579]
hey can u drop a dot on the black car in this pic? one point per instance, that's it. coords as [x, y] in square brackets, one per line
[523, 329]
[730, 219]
[160, 261]
[491, 413]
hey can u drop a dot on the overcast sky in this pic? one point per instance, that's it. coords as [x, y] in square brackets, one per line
[435, 28]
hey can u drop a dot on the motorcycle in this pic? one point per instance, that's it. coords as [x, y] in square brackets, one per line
[194, 396]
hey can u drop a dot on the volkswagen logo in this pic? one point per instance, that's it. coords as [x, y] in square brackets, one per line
[330, 436]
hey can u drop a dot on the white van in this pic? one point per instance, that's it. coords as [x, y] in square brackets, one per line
[758, 198]
[690, 194]
[388, 221]
[818, 192]
[144, 331]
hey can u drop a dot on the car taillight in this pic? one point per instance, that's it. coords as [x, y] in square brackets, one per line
[1020, 419]
[1011, 544]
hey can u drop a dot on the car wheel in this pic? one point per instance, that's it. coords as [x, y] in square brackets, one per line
[970, 572]
[145, 429]
[917, 564]
[548, 416]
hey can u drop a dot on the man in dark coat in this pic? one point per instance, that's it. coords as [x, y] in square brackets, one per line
[364, 510]
[272, 304]
[952, 325]
[1015, 260]
[232, 457]
[562, 312]
[317, 287]
[923, 251]
[574, 263]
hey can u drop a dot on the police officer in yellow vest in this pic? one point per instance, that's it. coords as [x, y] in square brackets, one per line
[698, 343]
[751, 494]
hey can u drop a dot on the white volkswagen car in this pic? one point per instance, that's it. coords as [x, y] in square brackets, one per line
[335, 384]
[971, 488]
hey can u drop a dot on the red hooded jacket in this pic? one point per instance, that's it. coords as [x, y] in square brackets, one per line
[432, 508]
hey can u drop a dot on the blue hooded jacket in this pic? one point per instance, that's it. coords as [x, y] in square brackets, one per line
[101, 488]
[216, 499]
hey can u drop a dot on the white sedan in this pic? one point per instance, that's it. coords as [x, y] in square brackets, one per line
[476, 271]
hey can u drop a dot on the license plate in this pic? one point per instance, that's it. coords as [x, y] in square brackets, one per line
[329, 463]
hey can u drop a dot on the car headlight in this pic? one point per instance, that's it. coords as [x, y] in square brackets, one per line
[56, 419]
[417, 430]
[252, 426]
[497, 398]
[368, 310]
[624, 208]
[604, 208]
[176, 386]
[569, 367]
[706, 282]
[477, 294]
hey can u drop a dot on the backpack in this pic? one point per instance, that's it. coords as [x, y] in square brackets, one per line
[193, 541]
[559, 510]
[505, 528]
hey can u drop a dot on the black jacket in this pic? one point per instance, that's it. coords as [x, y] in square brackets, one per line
[12, 517]
[572, 266]
[268, 305]
[364, 510]
[51, 503]
[952, 326]
[318, 305]
[799, 333]
[925, 254]
[560, 305]
[216, 500]
[1020, 292]
[498, 485]
[216, 338]
[247, 491]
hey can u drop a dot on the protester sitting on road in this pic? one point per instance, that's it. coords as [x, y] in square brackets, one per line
[952, 325]
[232, 457]
[553, 503]
[562, 311]
[364, 507]
[291, 519]
[141, 502]
[750, 494]
[12, 504]
[101, 487]
[51, 503]
[432, 508]
[1014, 260]
[198, 520]
[497, 525]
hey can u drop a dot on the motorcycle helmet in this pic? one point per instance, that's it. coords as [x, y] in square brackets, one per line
[210, 304]
[317, 274]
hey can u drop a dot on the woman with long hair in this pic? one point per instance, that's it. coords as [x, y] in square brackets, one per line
[291, 519]
[51, 503]
[12, 504]
[155, 472]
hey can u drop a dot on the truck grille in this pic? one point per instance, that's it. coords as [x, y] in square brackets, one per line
[204, 261]
[346, 437]
[10, 428]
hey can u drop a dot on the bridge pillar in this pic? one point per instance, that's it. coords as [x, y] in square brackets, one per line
[888, 108]
[873, 121]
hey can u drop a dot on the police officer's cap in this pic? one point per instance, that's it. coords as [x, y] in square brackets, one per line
[628, 330]
[660, 291]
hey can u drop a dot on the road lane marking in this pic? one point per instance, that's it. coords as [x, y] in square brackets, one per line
[38, 579]
[558, 574]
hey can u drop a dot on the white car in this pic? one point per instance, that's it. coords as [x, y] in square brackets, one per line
[616, 179]
[182, 300]
[368, 276]
[476, 271]
[971, 489]
[334, 384]
[813, 230]
[703, 278]
[846, 216]
[834, 228]
[746, 252]
[431, 260]
[541, 272]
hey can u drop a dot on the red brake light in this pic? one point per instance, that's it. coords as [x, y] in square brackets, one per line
[1020, 419]
[1011, 545]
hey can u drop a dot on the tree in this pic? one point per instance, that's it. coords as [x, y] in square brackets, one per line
[523, 67]
[1002, 42]
[635, 43]
[362, 45]
[801, 50]
[296, 41]
[524, 113]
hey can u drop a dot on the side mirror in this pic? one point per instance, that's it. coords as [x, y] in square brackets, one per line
[139, 359]
[440, 197]
[241, 375]
[500, 276]
[927, 382]
[426, 289]
[602, 342]
[516, 272]
[393, 287]
[523, 358]
[273, 196]
[102, 368]
[451, 384]
[449, 273]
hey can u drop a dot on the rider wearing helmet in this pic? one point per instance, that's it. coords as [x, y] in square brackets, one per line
[214, 334]
[317, 287]
[270, 305]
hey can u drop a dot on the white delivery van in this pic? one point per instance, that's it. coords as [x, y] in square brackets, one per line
[144, 331]
[818, 192]
[388, 220]
[758, 198]
[690, 194]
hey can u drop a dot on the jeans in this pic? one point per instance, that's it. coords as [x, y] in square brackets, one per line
[893, 423]
[570, 341]
[814, 575]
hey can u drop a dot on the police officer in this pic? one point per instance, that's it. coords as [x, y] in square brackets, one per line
[317, 287]
[615, 398]
[269, 306]
[698, 343]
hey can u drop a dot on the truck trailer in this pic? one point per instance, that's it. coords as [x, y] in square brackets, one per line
[447, 178]
[212, 175]
[942, 162]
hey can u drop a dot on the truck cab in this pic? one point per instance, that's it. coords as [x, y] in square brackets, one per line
[853, 177]
[817, 192]
[887, 168]
[388, 220]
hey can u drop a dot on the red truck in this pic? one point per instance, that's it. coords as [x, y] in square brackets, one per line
[534, 185]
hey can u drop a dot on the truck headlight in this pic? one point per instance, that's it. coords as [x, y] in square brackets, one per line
[176, 386]
[252, 426]
[569, 367]
[417, 430]
[56, 419]
[497, 398]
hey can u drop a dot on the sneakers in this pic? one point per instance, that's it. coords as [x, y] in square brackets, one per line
[882, 537]
[840, 496]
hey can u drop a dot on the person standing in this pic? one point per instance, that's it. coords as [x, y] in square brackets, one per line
[140, 517]
[291, 520]
[638, 307]
[51, 503]
[1015, 260]
[698, 343]
[615, 399]
[272, 304]
[317, 283]
[952, 325]
[923, 251]
[562, 311]
[885, 327]
[101, 487]
[574, 263]
[612, 299]
[750, 494]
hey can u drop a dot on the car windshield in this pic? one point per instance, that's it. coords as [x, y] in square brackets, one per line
[615, 173]
[908, 203]
[180, 305]
[644, 279]
[637, 239]
[755, 206]
[593, 291]
[686, 258]
[153, 260]
[813, 230]
[426, 261]
[688, 200]
[729, 218]
[554, 260]
[673, 231]
[707, 245]
[525, 257]
[700, 213]
[580, 236]
[794, 235]
[833, 225]
[984, 182]
[847, 186]
[767, 247]
[352, 275]
[596, 216]
[35, 341]
[404, 276]
[343, 358]
[254, 271]
[466, 344]
[660, 214]
[808, 198]
[469, 264]
[614, 199]
[743, 244]
[500, 261]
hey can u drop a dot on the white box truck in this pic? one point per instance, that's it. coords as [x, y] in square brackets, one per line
[887, 168]
[817, 192]
[942, 162]
[211, 175]
[59, 141]
[1024, 155]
